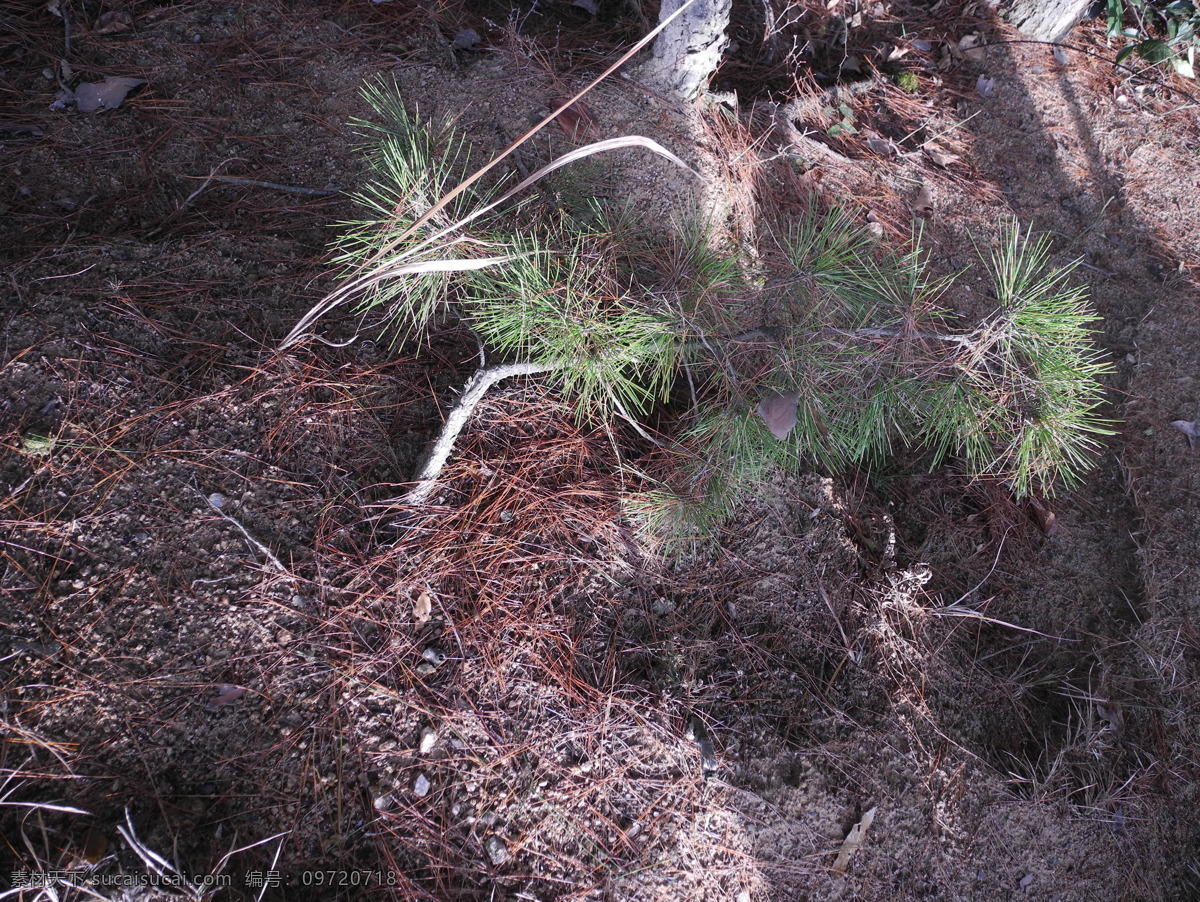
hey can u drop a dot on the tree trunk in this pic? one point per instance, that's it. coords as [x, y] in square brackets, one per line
[687, 52]
[1046, 20]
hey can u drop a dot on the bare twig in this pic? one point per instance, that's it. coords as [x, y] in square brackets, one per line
[472, 394]
[274, 186]
[255, 543]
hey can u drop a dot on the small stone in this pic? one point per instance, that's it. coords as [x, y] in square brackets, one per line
[421, 786]
[497, 851]
[384, 802]
[425, 668]
[217, 500]
[466, 39]
[434, 656]
[429, 738]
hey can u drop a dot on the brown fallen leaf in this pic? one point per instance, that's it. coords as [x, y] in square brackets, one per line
[578, 124]
[422, 608]
[938, 156]
[922, 206]
[779, 413]
[227, 695]
[1044, 516]
[854, 840]
[95, 844]
[105, 95]
[113, 22]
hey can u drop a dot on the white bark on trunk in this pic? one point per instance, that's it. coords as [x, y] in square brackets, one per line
[1046, 20]
[687, 52]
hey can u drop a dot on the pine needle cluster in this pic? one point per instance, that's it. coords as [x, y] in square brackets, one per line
[836, 354]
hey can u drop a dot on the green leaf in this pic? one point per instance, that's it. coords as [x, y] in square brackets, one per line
[1116, 15]
[1154, 51]
[1182, 33]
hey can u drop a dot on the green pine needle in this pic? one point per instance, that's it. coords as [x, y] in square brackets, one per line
[853, 336]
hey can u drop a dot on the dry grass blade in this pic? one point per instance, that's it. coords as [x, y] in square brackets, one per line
[587, 151]
[472, 394]
[380, 271]
[47, 806]
[388, 271]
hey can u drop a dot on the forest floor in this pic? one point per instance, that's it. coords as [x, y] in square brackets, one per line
[212, 630]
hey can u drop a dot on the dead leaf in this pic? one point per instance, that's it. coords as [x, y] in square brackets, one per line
[95, 844]
[881, 146]
[938, 156]
[1190, 429]
[113, 22]
[923, 205]
[227, 695]
[985, 86]
[854, 841]
[105, 95]
[1045, 517]
[422, 608]
[1061, 56]
[578, 123]
[971, 46]
[779, 413]
[591, 7]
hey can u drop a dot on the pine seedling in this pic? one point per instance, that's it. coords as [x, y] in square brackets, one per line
[1027, 384]
[837, 355]
[413, 164]
[609, 352]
